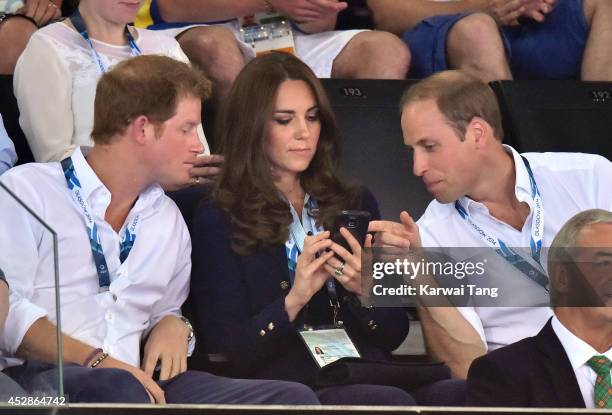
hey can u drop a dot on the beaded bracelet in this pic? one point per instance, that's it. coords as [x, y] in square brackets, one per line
[99, 360]
[90, 357]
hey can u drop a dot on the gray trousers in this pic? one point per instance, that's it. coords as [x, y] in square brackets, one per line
[9, 389]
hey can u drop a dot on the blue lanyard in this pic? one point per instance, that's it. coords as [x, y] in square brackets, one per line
[128, 238]
[295, 245]
[79, 25]
[535, 242]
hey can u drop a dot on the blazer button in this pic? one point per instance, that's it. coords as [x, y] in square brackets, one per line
[284, 285]
[262, 333]
[271, 326]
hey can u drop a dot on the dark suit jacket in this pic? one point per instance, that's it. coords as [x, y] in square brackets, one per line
[534, 372]
[238, 306]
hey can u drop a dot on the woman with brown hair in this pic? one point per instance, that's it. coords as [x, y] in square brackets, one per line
[263, 261]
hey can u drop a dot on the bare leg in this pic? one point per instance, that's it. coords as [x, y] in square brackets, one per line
[474, 45]
[373, 55]
[215, 50]
[14, 36]
[597, 59]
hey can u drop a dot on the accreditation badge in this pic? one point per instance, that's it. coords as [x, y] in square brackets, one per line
[267, 32]
[326, 345]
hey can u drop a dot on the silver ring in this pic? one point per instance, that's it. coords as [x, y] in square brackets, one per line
[339, 270]
[196, 180]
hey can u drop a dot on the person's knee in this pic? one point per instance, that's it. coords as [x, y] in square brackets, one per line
[364, 394]
[391, 395]
[592, 7]
[14, 36]
[17, 29]
[210, 45]
[477, 31]
[382, 54]
[113, 386]
[448, 392]
[293, 393]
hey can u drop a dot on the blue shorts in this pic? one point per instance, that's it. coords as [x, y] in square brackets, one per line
[549, 50]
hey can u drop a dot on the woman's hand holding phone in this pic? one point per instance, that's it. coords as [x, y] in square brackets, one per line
[347, 270]
[310, 274]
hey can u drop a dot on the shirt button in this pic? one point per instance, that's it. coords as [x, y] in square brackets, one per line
[262, 333]
[109, 316]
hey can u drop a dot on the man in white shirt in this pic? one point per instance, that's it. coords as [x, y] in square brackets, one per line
[487, 195]
[568, 363]
[124, 253]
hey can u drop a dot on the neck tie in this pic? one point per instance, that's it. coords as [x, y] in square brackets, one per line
[603, 385]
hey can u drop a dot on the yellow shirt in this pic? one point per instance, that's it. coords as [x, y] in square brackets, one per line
[144, 18]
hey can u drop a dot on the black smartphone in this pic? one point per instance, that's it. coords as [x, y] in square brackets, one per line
[356, 222]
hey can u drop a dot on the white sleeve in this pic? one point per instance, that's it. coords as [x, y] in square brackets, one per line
[43, 87]
[178, 286]
[472, 317]
[20, 236]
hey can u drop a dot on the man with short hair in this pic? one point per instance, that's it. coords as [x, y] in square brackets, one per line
[487, 195]
[567, 364]
[124, 253]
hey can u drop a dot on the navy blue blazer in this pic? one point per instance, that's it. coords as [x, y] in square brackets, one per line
[237, 304]
[534, 372]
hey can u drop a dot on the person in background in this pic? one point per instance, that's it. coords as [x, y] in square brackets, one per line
[56, 75]
[19, 19]
[208, 31]
[568, 363]
[503, 39]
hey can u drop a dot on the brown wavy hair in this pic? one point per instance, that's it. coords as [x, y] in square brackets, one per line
[260, 217]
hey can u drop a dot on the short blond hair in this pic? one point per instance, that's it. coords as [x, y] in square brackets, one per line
[460, 97]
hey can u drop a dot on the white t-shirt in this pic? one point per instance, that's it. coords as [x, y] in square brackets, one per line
[150, 284]
[569, 183]
[55, 85]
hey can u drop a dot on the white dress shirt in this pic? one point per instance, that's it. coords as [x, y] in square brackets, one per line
[55, 85]
[153, 281]
[569, 183]
[579, 352]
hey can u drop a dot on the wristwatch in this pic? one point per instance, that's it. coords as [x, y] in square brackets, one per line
[189, 326]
